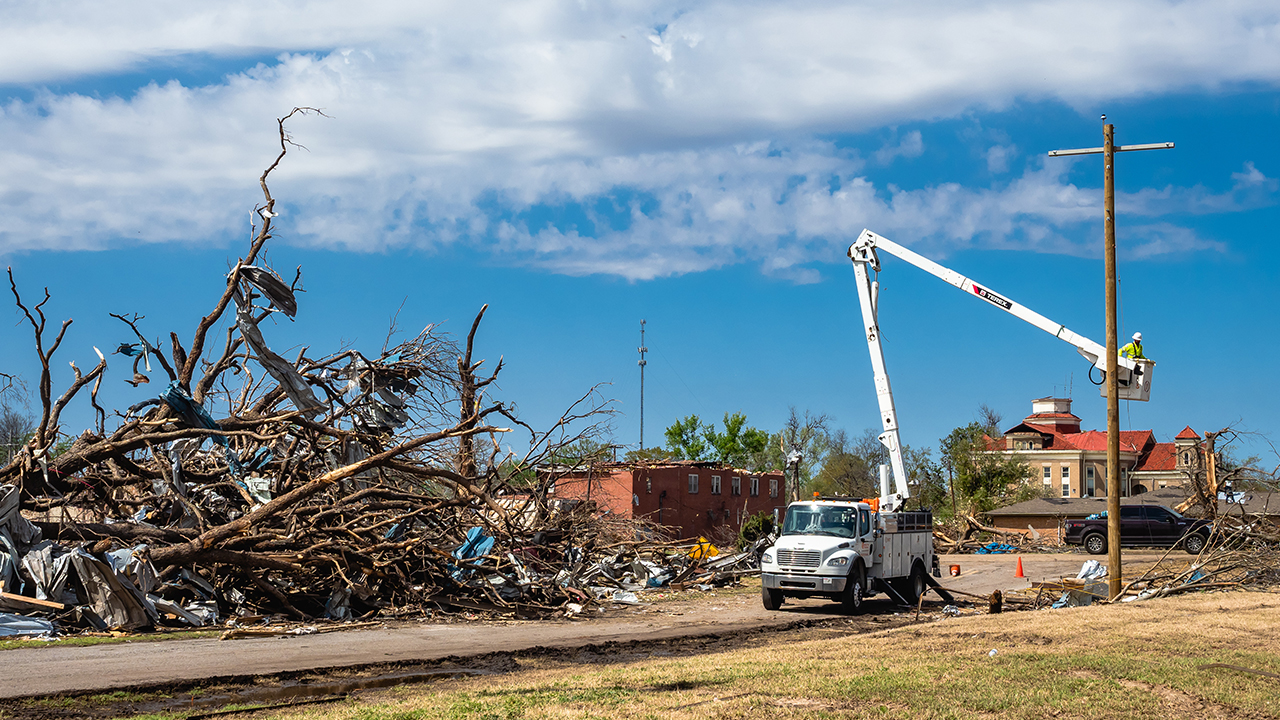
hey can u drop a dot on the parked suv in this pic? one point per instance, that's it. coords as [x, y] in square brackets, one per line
[1141, 526]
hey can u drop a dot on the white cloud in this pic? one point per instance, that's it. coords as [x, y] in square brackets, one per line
[998, 157]
[911, 146]
[456, 122]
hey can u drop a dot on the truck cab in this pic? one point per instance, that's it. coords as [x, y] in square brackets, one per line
[845, 550]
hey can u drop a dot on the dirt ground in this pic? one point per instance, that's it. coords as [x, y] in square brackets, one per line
[684, 621]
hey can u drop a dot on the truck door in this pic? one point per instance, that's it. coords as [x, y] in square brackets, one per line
[1163, 526]
[1133, 526]
[865, 534]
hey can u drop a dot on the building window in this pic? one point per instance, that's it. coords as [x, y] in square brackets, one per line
[693, 484]
[735, 486]
[755, 487]
[1048, 475]
[1066, 481]
[648, 485]
[1089, 481]
[715, 484]
[773, 487]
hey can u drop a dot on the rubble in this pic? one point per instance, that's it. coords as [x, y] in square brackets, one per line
[248, 486]
[973, 537]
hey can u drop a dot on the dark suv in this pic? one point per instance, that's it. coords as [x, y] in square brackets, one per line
[1141, 526]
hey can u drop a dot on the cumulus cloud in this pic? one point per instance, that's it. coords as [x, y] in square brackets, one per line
[911, 146]
[638, 139]
[998, 157]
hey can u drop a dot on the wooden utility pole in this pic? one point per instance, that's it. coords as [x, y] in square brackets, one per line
[1108, 151]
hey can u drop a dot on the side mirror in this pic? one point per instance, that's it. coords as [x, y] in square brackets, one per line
[876, 535]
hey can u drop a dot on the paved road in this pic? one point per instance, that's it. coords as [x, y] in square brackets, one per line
[984, 573]
[46, 671]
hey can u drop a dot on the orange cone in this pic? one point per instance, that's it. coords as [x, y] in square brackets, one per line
[1019, 571]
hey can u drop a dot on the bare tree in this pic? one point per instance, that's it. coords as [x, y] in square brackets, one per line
[803, 442]
[318, 472]
[16, 423]
[990, 419]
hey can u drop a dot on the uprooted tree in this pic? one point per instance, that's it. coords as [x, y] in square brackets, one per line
[289, 484]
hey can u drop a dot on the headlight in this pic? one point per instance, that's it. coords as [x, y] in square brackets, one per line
[838, 561]
[767, 557]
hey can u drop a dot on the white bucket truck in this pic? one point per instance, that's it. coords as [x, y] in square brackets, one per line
[846, 550]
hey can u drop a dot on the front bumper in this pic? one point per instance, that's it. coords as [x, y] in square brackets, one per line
[803, 583]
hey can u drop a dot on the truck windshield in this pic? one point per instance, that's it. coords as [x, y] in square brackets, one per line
[821, 520]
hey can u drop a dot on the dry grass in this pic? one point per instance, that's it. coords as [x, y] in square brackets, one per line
[1136, 660]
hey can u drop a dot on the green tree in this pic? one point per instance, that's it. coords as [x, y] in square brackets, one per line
[649, 454]
[686, 440]
[927, 482]
[852, 468]
[756, 527]
[985, 480]
[739, 444]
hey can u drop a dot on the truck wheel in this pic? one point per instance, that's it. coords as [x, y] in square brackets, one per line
[1194, 543]
[915, 583]
[1095, 544]
[772, 598]
[855, 590]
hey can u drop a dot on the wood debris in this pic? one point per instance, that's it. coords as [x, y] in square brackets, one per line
[343, 486]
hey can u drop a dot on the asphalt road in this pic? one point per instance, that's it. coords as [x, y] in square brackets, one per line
[51, 670]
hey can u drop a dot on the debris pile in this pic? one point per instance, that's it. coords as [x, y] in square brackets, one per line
[1242, 553]
[974, 537]
[341, 486]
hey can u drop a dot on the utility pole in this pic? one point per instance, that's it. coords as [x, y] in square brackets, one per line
[643, 350]
[1108, 151]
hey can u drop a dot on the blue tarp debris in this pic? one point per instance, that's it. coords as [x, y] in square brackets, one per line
[20, 625]
[476, 545]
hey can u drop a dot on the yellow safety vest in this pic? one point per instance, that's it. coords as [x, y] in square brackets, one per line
[1133, 350]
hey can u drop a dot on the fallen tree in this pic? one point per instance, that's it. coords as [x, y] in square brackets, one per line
[333, 485]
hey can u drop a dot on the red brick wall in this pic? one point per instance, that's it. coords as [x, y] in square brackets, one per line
[661, 494]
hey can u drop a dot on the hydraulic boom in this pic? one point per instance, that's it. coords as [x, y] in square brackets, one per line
[1134, 379]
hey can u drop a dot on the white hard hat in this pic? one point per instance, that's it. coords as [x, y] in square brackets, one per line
[1137, 336]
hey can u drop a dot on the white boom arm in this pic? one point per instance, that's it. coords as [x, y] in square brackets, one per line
[1134, 375]
[864, 252]
[867, 298]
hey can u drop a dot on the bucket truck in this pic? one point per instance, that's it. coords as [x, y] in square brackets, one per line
[846, 549]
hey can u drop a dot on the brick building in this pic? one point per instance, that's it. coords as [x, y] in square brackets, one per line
[690, 498]
[1073, 463]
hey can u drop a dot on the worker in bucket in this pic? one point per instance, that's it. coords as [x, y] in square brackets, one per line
[1134, 349]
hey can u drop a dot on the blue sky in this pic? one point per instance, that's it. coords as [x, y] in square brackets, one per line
[699, 165]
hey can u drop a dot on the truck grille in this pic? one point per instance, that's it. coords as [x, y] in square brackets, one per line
[799, 558]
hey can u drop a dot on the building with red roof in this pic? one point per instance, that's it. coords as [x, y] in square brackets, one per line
[1072, 463]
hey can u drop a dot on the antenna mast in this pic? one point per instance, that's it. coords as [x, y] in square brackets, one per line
[643, 350]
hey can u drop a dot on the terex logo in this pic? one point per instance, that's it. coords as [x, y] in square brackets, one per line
[991, 297]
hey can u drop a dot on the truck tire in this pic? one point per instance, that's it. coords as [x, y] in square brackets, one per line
[1095, 543]
[772, 598]
[855, 590]
[1194, 543]
[916, 585]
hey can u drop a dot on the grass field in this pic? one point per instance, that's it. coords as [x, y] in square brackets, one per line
[83, 641]
[1139, 660]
